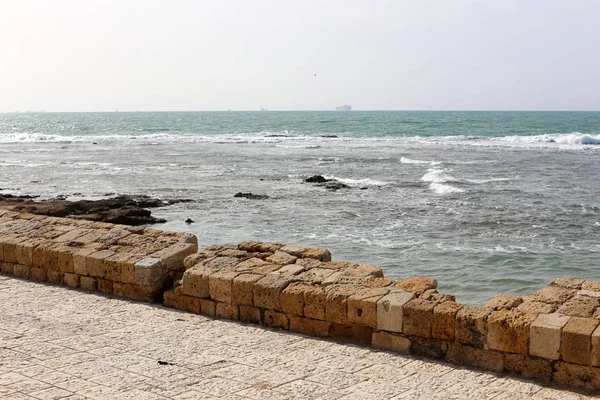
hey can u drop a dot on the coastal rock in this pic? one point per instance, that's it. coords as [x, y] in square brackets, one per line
[316, 179]
[251, 196]
[330, 184]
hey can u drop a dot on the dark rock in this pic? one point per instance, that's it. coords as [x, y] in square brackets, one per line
[334, 185]
[251, 196]
[189, 221]
[329, 136]
[317, 179]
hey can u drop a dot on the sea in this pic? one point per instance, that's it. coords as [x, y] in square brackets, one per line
[485, 202]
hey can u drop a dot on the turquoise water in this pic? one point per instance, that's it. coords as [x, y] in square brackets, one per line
[486, 202]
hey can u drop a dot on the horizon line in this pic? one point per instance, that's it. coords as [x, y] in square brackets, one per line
[117, 111]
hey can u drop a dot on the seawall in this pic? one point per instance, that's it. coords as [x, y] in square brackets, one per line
[553, 335]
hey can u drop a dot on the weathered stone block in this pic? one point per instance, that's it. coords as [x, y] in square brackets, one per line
[580, 306]
[350, 333]
[267, 290]
[417, 317]
[23, 251]
[281, 258]
[105, 286]
[577, 340]
[79, 260]
[44, 256]
[233, 253]
[444, 315]
[545, 335]
[308, 263]
[290, 270]
[55, 276]
[536, 307]
[250, 314]
[416, 284]
[87, 283]
[364, 270]
[276, 319]
[390, 310]
[553, 295]
[242, 288]
[309, 326]
[390, 341]
[470, 326]
[95, 262]
[220, 285]
[64, 258]
[121, 267]
[174, 255]
[528, 367]
[181, 302]
[318, 254]
[149, 271]
[591, 285]
[508, 331]
[7, 268]
[504, 302]
[315, 300]
[576, 375]
[208, 307]
[250, 264]
[295, 251]
[378, 282]
[596, 347]
[22, 271]
[362, 306]
[71, 280]
[148, 294]
[223, 264]
[195, 282]
[37, 274]
[466, 355]
[227, 311]
[427, 347]
[567, 283]
[291, 299]
[9, 244]
[336, 303]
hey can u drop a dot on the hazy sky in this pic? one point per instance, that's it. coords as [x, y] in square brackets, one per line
[88, 55]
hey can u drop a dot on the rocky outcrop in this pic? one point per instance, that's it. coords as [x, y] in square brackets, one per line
[331, 184]
[251, 196]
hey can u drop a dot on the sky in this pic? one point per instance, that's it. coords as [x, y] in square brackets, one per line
[153, 55]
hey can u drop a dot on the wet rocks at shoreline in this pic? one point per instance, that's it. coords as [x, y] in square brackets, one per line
[251, 196]
[331, 184]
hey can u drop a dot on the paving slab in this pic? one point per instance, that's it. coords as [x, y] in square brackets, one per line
[60, 343]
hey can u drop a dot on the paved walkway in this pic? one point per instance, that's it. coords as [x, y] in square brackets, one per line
[57, 343]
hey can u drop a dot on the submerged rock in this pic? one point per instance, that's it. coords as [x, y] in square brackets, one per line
[251, 196]
[317, 179]
[334, 185]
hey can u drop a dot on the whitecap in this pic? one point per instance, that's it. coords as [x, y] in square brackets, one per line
[359, 182]
[441, 188]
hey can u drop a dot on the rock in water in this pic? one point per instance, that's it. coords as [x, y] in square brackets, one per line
[317, 179]
[334, 185]
[189, 221]
[251, 196]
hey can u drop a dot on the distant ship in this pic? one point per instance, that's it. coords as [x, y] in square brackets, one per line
[345, 107]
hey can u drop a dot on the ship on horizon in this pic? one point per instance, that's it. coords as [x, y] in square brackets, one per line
[345, 107]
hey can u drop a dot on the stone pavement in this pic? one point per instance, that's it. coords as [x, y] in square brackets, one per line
[57, 343]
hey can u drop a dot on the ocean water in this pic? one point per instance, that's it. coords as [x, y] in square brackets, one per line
[486, 202]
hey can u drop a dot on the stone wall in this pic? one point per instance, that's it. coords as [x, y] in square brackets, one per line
[131, 262]
[552, 335]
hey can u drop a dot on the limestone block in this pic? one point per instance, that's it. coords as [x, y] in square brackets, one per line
[148, 272]
[315, 300]
[64, 257]
[22, 271]
[23, 251]
[553, 295]
[94, 262]
[281, 258]
[9, 244]
[174, 255]
[390, 341]
[266, 269]
[87, 283]
[466, 355]
[504, 302]
[37, 274]
[442, 325]
[7, 268]
[55, 276]
[378, 282]
[337, 265]
[250, 314]
[291, 299]
[242, 289]
[318, 254]
[545, 335]
[195, 281]
[336, 302]
[416, 284]
[577, 340]
[309, 326]
[249, 246]
[596, 347]
[427, 347]
[338, 278]
[122, 266]
[220, 285]
[528, 367]
[44, 256]
[567, 283]
[208, 307]
[148, 294]
[358, 334]
[290, 270]
[536, 307]
[470, 326]
[71, 280]
[295, 251]
[276, 319]
[233, 253]
[227, 311]
[390, 310]
[576, 375]
[508, 331]
[267, 290]
[79, 260]
[223, 263]
[105, 286]
[594, 286]
[362, 306]
[580, 306]
[196, 258]
[417, 317]
[308, 263]
[364, 270]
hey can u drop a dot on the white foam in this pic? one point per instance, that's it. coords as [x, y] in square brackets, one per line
[441, 188]
[359, 182]
[437, 175]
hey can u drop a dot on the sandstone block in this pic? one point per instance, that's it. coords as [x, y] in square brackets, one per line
[208, 307]
[267, 290]
[95, 262]
[9, 244]
[576, 375]
[466, 355]
[338, 278]
[64, 258]
[470, 326]
[442, 325]
[364, 270]
[272, 247]
[242, 289]
[350, 333]
[22, 271]
[315, 300]
[281, 258]
[594, 286]
[195, 281]
[390, 341]
[504, 302]
[79, 260]
[148, 294]
[337, 265]
[362, 306]
[276, 319]
[336, 302]
[23, 251]
[309, 326]
[37, 274]
[55, 276]
[508, 331]
[528, 367]
[427, 347]
[596, 347]
[553, 295]
[227, 311]
[580, 306]
[416, 284]
[545, 335]
[536, 307]
[233, 253]
[577, 340]
[71, 280]
[181, 302]
[250, 314]
[223, 264]
[290, 270]
[295, 251]
[7, 268]
[220, 285]
[87, 283]
[417, 317]
[105, 286]
[174, 255]
[44, 256]
[318, 254]
[308, 263]
[378, 282]
[291, 299]
[149, 271]
[567, 283]
[390, 310]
